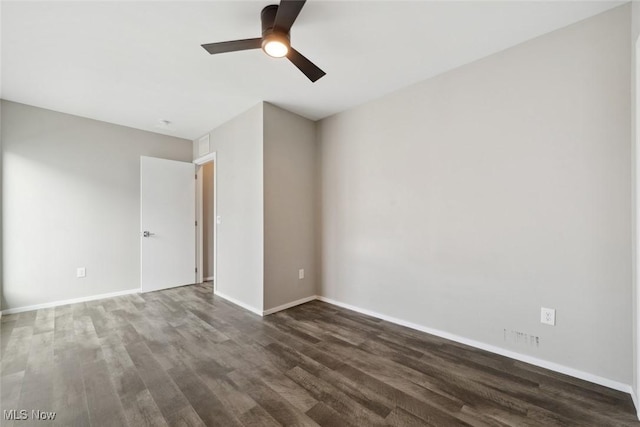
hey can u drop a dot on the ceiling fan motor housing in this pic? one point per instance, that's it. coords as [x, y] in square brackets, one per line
[268, 17]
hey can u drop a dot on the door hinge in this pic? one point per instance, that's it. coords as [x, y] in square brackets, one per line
[196, 269]
[196, 223]
[196, 176]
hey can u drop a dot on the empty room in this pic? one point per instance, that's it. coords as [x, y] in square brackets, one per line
[334, 213]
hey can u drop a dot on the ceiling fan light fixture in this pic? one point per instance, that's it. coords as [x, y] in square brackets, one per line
[276, 21]
[276, 45]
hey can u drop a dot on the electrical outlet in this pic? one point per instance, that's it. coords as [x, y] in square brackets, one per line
[81, 272]
[548, 316]
[301, 274]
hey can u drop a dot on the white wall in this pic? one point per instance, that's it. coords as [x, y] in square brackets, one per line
[239, 164]
[289, 206]
[208, 227]
[71, 198]
[468, 201]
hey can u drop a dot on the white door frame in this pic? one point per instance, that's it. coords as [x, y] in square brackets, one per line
[199, 162]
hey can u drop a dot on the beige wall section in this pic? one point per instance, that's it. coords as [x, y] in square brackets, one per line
[238, 147]
[71, 192]
[289, 210]
[207, 219]
[468, 201]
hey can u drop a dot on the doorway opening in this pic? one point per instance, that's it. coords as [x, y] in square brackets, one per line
[206, 214]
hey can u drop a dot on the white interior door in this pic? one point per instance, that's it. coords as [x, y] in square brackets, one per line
[167, 221]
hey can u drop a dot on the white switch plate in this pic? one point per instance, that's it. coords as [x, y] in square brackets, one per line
[548, 316]
[218, 219]
[81, 272]
[301, 274]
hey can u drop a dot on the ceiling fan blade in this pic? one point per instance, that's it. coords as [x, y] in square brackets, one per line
[309, 69]
[288, 11]
[233, 46]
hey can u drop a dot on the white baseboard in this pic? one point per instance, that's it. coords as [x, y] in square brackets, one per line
[616, 385]
[491, 348]
[635, 402]
[69, 301]
[289, 305]
[209, 279]
[239, 303]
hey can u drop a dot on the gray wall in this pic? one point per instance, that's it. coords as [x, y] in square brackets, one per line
[2, 302]
[266, 178]
[238, 146]
[71, 198]
[289, 206]
[466, 202]
[635, 49]
[208, 220]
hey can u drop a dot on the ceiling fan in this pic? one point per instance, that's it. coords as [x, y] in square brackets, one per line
[275, 41]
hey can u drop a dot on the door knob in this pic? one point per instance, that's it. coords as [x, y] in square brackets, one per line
[147, 233]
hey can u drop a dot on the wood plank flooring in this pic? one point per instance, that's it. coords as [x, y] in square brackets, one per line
[183, 357]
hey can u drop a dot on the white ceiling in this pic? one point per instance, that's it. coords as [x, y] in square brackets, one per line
[133, 63]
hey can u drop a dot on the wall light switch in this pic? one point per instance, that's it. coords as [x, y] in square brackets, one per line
[301, 274]
[218, 219]
[81, 272]
[548, 316]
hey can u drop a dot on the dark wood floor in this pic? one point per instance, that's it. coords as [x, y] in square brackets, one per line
[182, 357]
